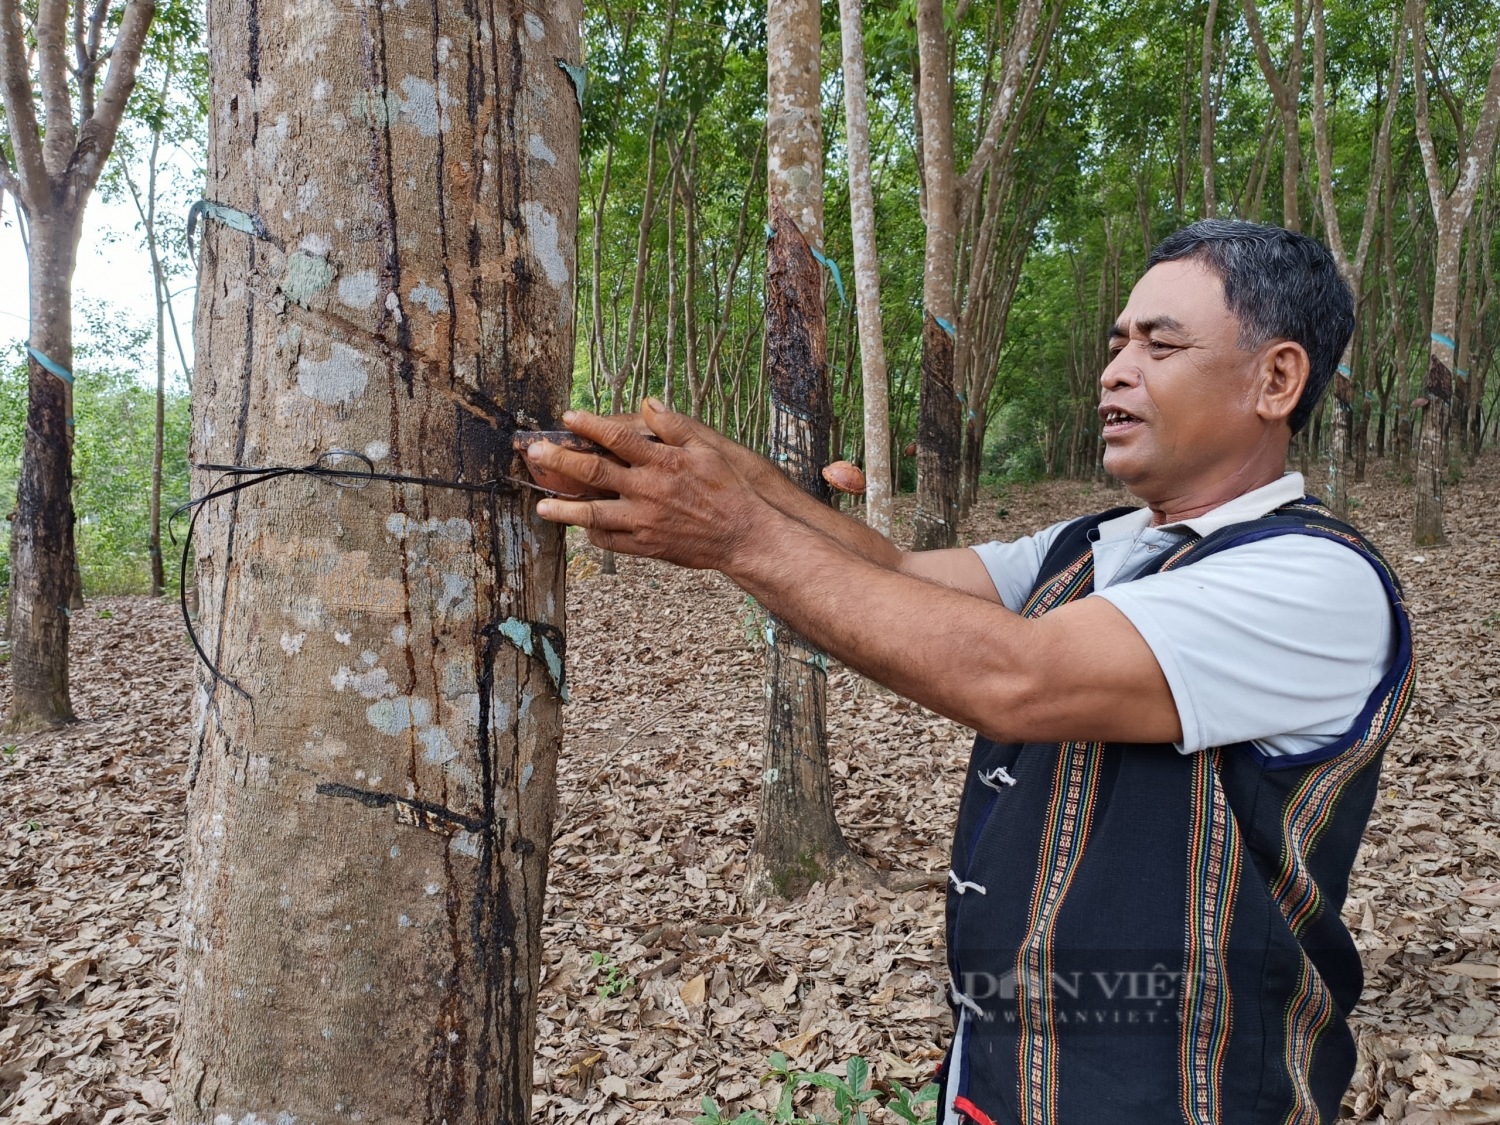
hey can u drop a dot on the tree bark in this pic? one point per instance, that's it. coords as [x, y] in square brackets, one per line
[874, 377]
[372, 780]
[1451, 211]
[1206, 113]
[940, 423]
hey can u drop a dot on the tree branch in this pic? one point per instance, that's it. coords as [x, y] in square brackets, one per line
[1017, 54]
[1381, 155]
[1263, 53]
[1424, 120]
[20, 111]
[88, 71]
[9, 184]
[1482, 141]
[98, 134]
[52, 77]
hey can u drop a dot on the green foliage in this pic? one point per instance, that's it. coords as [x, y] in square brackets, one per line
[1108, 159]
[853, 1097]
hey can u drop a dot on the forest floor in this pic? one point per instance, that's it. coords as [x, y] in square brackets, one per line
[656, 811]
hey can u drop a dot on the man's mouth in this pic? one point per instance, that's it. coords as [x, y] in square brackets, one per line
[1117, 421]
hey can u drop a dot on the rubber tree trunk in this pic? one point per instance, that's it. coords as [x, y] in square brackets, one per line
[43, 564]
[1206, 112]
[1341, 421]
[874, 378]
[1451, 212]
[797, 839]
[939, 417]
[372, 784]
[1436, 422]
[158, 442]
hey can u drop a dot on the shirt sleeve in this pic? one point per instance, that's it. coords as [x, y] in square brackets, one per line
[1280, 641]
[1014, 566]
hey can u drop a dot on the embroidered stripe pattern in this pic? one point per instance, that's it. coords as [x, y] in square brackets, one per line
[1069, 816]
[1310, 808]
[1307, 1015]
[1212, 880]
[1070, 583]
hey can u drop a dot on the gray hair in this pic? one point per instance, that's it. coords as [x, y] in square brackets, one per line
[1281, 285]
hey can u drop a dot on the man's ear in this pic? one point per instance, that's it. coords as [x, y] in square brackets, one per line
[1284, 368]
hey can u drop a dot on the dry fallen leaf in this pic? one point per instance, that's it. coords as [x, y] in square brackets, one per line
[695, 991]
[796, 1047]
[1473, 971]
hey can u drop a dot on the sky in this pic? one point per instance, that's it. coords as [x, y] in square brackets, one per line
[113, 267]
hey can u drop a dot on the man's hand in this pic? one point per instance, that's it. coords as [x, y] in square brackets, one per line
[683, 499]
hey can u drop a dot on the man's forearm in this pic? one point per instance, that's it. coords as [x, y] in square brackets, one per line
[885, 624]
[782, 493]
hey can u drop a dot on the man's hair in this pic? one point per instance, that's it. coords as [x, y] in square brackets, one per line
[1281, 285]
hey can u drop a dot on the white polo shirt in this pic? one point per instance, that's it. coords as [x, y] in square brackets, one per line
[1279, 642]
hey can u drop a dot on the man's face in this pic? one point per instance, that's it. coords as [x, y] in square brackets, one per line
[1179, 396]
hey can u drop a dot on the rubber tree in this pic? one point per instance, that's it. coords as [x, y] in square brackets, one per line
[1286, 92]
[797, 838]
[1352, 270]
[1451, 210]
[874, 377]
[1207, 108]
[61, 123]
[387, 269]
[951, 200]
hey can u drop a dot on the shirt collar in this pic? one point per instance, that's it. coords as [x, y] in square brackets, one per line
[1248, 506]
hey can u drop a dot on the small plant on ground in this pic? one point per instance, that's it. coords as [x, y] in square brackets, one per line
[853, 1097]
[616, 980]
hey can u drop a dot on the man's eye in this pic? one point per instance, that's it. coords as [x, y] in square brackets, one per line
[1162, 346]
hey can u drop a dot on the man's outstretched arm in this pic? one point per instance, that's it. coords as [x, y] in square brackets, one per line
[1082, 672]
[960, 569]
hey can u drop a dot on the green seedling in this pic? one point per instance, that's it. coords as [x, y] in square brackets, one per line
[853, 1097]
[616, 980]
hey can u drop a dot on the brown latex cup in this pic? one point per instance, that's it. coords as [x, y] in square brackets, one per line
[846, 478]
[549, 480]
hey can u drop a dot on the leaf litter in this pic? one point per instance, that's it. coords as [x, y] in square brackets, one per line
[661, 985]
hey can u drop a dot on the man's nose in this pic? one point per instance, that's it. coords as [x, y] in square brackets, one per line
[1122, 371]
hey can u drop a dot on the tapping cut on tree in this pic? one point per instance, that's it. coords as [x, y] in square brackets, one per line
[388, 269]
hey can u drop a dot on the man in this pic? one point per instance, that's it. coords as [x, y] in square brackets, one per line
[1181, 708]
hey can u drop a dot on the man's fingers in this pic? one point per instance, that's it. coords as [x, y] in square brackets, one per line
[625, 436]
[673, 428]
[604, 515]
[586, 468]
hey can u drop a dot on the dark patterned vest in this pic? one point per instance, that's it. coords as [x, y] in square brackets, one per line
[1139, 937]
